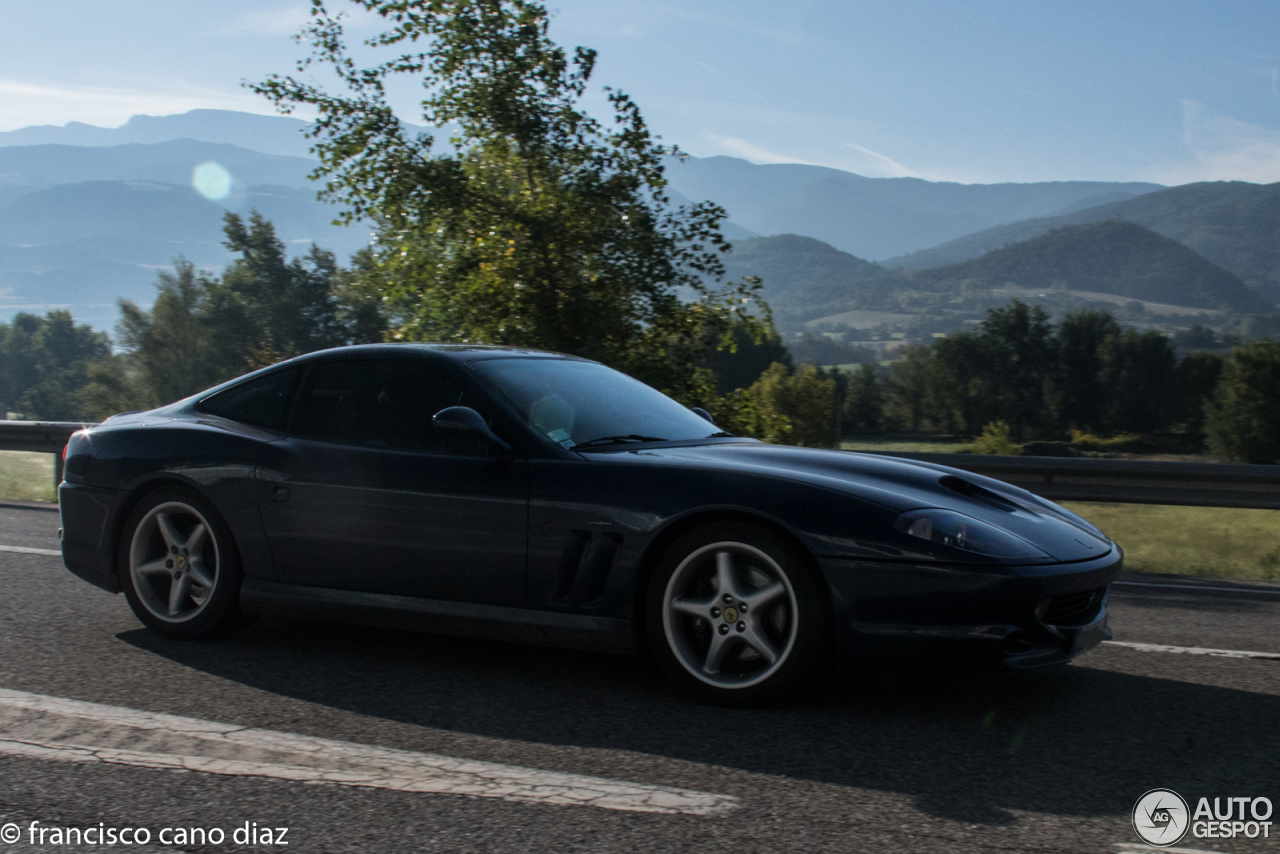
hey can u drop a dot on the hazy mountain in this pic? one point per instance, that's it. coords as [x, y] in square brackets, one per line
[269, 134]
[1233, 224]
[873, 217]
[34, 167]
[87, 243]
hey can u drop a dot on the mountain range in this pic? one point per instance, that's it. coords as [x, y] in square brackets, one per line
[88, 214]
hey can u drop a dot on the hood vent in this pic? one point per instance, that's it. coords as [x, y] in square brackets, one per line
[978, 493]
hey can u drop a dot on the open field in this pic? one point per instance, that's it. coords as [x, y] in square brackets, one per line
[26, 476]
[1217, 542]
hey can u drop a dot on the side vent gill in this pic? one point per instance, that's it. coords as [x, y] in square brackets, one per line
[584, 569]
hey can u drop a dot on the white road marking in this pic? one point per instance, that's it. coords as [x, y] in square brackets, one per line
[52, 728]
[1193, 650]
[1262, 590]
[1132, 847]
[24, 550]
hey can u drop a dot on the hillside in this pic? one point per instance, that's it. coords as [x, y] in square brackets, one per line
[1111, 257]
[804, 277]
[1065, 270]
[873, 218]
[1235, 225]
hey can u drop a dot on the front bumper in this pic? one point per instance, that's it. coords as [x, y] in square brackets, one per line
[1016, 617]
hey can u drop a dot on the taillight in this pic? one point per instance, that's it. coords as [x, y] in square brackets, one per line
[64, 451]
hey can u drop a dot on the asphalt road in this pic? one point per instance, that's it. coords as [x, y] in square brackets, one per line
[900, 761]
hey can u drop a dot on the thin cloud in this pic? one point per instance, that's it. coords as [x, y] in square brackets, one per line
[1222, 149]
[755, 153]
[890, 167]
[285, 21]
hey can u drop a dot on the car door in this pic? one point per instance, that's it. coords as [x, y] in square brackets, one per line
[368, 497]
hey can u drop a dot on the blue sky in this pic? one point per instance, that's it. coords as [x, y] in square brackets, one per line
[963, 90]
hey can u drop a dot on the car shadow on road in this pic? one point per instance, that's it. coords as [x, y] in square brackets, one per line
[970, 746]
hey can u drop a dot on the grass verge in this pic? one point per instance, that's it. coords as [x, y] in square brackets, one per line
[916, 446]
[1214, 542]
[26, 476]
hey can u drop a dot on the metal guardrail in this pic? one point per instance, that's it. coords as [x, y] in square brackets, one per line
[1126, 481]
[47, 437]
[1055, 478]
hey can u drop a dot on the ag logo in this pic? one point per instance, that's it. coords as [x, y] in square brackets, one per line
[1160, 817]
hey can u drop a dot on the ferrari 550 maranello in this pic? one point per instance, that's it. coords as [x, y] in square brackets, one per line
[522, 495]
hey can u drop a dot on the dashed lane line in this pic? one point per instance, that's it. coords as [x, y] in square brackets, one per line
[1191, 587]
[52, 728]
[1194, 650]
[26, 550]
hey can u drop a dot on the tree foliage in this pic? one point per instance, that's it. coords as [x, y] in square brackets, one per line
[1243, 419]
[534, 224]
[45, 363]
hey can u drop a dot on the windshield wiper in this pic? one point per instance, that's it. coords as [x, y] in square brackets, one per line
[721, 435]
[616, 440]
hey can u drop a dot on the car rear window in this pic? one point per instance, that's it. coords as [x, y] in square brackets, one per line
[260, 402]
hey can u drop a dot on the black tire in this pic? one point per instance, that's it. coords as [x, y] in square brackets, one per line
[161, 549]
[718, 649]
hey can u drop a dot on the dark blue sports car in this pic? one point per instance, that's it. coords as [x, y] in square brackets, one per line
[506, 493]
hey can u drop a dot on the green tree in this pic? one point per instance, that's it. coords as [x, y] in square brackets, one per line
[1019, 354]
[1078, 397]
[536, 225]
[1242, 421]
[169, 345]
[742, 362]
[45, 362]
[1138, 370]
[864, 402]
[1197, 376]
[202, 330]
[964, 392]
[796, 408]
[910, 383]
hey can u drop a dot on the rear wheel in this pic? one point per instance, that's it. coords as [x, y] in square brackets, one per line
[736, 616]
[178, 565]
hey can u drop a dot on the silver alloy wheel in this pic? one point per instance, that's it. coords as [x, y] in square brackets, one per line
[729, 613]
[174, 561]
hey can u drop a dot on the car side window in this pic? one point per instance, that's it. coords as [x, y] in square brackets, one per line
[260, 402]
[376, 403]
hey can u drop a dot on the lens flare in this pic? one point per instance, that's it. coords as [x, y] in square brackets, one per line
[211, 180]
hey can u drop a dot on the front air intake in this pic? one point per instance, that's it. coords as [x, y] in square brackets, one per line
[1073, 609]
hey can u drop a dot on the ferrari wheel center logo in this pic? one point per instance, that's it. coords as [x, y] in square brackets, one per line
[1160, 817]
[180, 562]
[731, 615]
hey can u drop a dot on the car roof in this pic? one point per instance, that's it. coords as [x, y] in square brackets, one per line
[450, 352]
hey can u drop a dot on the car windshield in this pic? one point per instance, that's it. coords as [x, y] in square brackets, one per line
[577, 404]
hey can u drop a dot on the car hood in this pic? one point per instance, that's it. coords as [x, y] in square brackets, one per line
[901, 485]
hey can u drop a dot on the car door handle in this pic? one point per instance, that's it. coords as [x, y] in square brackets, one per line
[279, 495]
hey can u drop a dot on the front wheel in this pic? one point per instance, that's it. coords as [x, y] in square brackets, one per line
[736, 615]
[178, 564]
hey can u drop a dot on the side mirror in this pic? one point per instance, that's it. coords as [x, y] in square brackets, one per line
[701, 413]
[463, 422]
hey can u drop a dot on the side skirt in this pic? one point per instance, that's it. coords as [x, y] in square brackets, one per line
[462, 619]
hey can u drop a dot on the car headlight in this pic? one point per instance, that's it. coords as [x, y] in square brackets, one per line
[958, 531]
